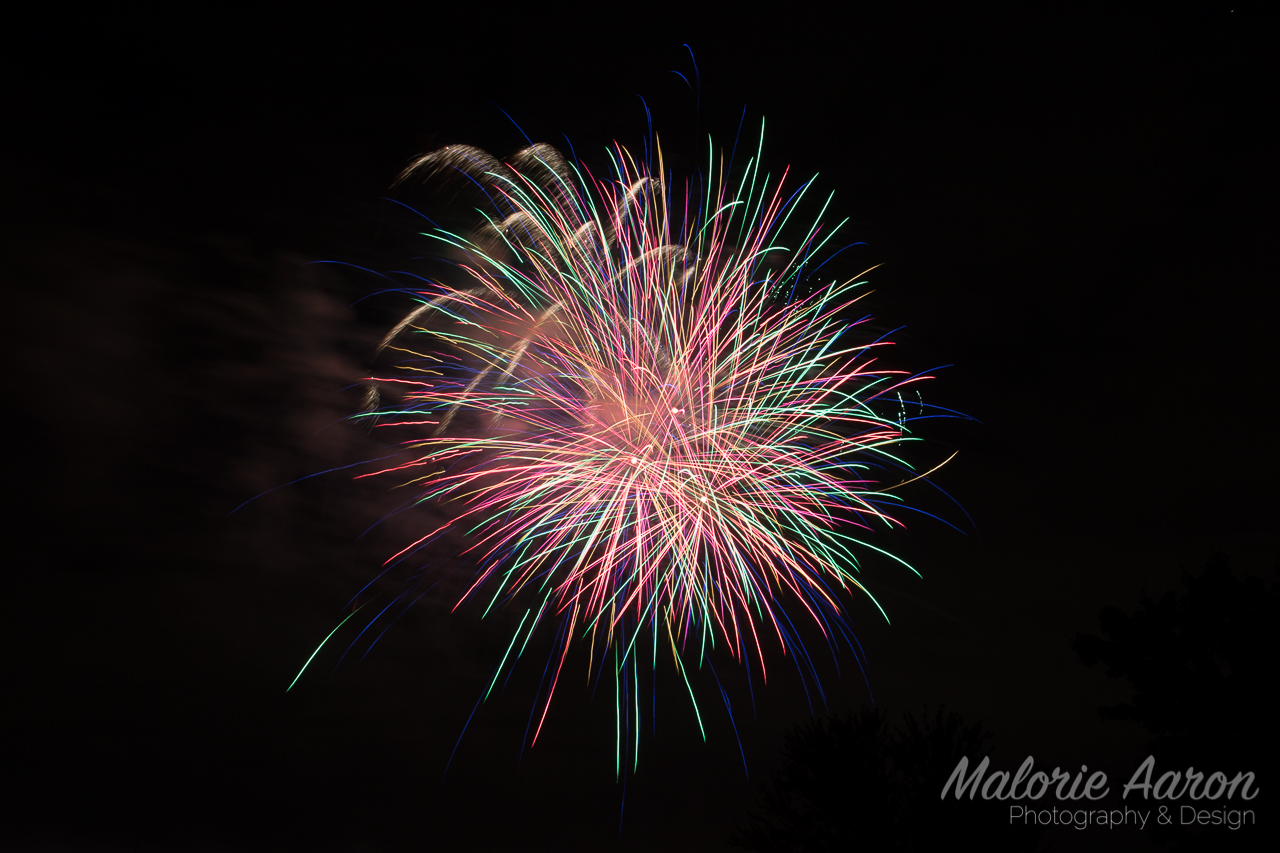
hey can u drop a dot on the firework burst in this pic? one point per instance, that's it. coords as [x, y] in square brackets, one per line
[659, 428]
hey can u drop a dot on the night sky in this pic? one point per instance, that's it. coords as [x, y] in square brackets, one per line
[1074, 216]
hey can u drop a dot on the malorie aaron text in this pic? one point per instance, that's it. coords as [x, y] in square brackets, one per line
[1028, 785]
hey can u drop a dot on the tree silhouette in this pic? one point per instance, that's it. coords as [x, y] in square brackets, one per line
[1201, 665]
[855, 782]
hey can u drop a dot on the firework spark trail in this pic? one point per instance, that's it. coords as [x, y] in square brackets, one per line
[671, 436]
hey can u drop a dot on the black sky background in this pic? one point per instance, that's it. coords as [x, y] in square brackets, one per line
[1073, 209]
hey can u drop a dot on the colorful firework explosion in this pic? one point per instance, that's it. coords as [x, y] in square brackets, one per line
[660, 429]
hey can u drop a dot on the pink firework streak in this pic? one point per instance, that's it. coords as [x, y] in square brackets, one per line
[662, 429]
